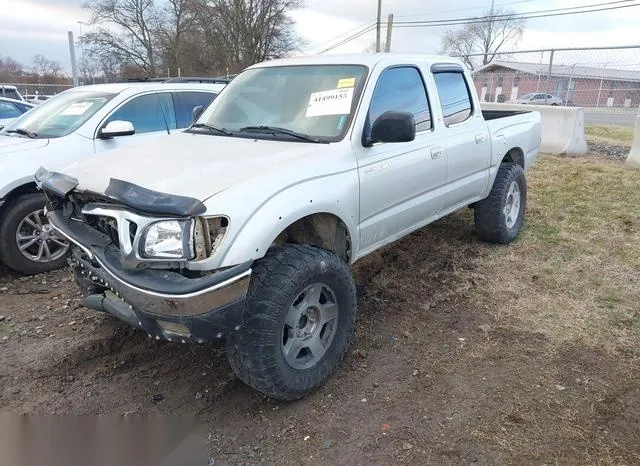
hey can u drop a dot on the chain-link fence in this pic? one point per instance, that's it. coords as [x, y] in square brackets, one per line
[604, 81]
[29, 90]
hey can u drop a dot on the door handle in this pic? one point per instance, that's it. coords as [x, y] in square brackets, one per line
[437, 152]
[480, 138]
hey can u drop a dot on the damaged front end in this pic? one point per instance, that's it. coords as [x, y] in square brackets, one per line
[132, 249]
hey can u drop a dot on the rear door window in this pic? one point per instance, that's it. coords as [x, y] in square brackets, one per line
[455, 98]
[186, 101]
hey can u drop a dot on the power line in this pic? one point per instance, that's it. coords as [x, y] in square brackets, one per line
[463, 9]
[350, 38]
[339, 36]
[526, 15]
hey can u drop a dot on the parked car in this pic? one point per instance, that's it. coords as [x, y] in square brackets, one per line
[242, 228]
[69, 128]
[10, 109]
[10, 92]
[37, 98]
[538, 99]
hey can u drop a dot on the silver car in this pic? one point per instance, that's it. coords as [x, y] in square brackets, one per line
[538, 99]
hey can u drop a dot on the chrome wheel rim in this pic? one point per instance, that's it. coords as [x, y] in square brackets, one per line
[38, 241]
[310, 326]
[512, 206]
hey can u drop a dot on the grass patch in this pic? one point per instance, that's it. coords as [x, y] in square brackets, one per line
[575, 273]
[620, 135]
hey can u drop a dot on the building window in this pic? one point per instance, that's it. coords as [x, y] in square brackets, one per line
[500, 81]
[612, 89]
[516, 81]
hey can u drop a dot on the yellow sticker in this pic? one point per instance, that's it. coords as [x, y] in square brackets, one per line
[346, 82]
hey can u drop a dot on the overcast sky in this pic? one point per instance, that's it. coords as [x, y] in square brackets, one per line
[28, 27]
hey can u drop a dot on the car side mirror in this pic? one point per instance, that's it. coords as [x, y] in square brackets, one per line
[195, 114]
[392, 127]
[117, 128]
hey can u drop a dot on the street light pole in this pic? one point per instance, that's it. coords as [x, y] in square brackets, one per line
[378, 25]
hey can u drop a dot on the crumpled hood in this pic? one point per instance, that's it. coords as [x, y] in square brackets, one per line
[191, 165]
[11, 144]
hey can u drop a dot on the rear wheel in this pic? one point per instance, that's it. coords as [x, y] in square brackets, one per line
[28, 244]
[499, 217]
[299, 319]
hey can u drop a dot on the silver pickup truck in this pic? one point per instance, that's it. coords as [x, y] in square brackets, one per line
[242, 228]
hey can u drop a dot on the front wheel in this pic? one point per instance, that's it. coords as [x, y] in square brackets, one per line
[499, 217]
[28, 244]
[298, 321]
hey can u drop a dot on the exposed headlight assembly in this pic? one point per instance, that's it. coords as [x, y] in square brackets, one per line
[168, 239]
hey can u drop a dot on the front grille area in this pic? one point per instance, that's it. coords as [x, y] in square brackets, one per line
[104, 224]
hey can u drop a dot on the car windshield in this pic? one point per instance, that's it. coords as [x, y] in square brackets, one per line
[60, 115]
[309, 102]
[527, 96]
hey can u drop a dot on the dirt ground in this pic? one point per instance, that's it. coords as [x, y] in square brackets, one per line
[464, 353]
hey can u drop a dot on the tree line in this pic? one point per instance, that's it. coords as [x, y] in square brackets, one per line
[135, 38]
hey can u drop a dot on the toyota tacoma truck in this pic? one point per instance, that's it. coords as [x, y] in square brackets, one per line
[241, 229]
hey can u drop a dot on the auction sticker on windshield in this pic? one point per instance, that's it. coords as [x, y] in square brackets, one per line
[331, 102]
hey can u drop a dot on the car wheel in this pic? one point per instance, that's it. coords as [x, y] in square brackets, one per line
[499, 217]
[28, 244]
[298, 321]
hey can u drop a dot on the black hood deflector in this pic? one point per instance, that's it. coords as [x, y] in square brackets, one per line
[153, 202]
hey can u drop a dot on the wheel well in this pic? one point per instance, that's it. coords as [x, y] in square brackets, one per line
[29, 188]
[516, 156]
[323, 230]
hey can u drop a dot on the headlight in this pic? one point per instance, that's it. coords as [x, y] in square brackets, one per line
[169, 239]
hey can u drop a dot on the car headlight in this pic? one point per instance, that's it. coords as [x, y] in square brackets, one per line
[169, 239]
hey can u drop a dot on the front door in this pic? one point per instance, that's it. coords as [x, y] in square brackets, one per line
[401, 184]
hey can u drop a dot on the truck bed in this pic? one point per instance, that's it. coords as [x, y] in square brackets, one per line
[495, 114]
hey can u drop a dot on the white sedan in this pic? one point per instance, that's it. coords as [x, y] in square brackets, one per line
[538, 99]
[10, 109]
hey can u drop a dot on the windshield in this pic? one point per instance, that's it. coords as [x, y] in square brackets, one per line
[62, 114]
[527, 96]
[317, 101]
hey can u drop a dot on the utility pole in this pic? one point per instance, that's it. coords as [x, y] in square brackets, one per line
[387, 45]
[72, 54]
[378, 25]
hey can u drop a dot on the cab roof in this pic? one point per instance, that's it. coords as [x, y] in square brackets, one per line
[365, 59]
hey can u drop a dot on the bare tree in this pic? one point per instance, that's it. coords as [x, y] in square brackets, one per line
[10, 69]
[44, 67]
[174, 32]
[248, 31]
[485, 37]
[125, 29]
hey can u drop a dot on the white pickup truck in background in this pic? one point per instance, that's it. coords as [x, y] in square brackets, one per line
[242, 228]
[72, 126]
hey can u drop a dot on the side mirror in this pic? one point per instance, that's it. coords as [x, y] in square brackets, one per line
[392, 127]
[117, 128]
[195, 114]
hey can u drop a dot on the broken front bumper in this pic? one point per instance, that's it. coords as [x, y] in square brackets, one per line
[165, 304]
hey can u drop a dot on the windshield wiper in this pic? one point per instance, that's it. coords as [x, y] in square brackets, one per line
[23, 132]
[277, 130]
[211, 127]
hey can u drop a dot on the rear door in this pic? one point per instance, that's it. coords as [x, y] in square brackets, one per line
[401, 184]
[151, 114]
[468, 144]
